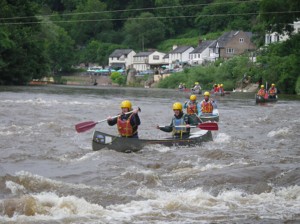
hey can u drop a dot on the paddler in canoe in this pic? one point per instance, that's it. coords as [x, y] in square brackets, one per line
[272, 92]
[193, 108]
[220, 89]
[179, 119]
[207, 105]
[262, 91]
[127, 123]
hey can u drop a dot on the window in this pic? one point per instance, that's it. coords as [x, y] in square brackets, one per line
[241, 40]
[229, 51]
[276, 38]
[198, 55]
[155, 57]
[268, 39]
[191, 56]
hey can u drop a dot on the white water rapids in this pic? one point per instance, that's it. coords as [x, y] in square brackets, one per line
[49, 173]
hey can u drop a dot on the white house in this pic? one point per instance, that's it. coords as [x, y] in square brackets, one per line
[122, 58]
[179, 54]
[145, 60]
[275, 37]
[201, 52]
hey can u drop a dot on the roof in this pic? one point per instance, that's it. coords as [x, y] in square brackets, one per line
[226, 37]
[143, 53]
[166, 56]
[180, 49]
[120, 52]
[200, 48]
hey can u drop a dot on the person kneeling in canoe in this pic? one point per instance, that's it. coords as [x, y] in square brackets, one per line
[179, 119]
[262, 91]
[193, 107]
[207, 105]
[127, 123]
[272, 92]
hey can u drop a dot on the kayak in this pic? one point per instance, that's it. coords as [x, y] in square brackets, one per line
[197, 91]
[205, 118]
[261, 99]
[102, 140]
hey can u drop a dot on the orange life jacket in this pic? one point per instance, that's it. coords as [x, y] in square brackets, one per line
[124, 127]
[272, 92]
[261, 92]
[206, 107]
[192, 109]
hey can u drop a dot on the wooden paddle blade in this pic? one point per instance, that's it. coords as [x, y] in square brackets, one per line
[209, 126]
[82, 127]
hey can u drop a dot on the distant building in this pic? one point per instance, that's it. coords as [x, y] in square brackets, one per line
[144, 60]
[179, 55]
[201, 52]
[122, 58]
[230, 44]
[275, 37]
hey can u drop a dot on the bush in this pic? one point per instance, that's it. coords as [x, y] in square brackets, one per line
[114, 76]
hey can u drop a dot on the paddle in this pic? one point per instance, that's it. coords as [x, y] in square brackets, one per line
[176, 88]
[227, 93]
[266, 95]
[186, 90]
[205, 126]
[82, 127]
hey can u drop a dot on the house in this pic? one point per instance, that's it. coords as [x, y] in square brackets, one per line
[145, 60]
[121, 58]
[201, 52]
[179, 55]
[275, 37]
[230, 44]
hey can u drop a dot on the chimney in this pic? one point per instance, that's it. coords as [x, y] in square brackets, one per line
[231, 33]
[174, 46]
[199, 41]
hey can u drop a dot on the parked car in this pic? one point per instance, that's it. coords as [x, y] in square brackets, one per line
[178, 70]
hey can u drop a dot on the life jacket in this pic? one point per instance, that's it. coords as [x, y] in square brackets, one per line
[206, 107]
[272, 92]
[220, 89]
[261, 92]
[192, 109]
[178, 122]
[124, 127]
[215, 88]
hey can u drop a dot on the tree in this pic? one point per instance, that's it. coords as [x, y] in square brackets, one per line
[151, 30]
[21, 53]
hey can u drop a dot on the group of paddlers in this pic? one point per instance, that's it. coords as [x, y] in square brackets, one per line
[217, 88]
[180, 124]
[195, 86]
[271, 93]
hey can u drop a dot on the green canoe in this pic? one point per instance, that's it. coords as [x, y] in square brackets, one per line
[261, 99]
[102, 140]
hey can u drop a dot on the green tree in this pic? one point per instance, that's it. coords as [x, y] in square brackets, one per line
[21, 53]
[151, 30]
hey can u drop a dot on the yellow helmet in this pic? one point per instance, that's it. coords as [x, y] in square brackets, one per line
[126, 104]
[181, 83]
[221, 85]
[193, 97]
[273, 84]
[206, 94]
[177, 106]
[262, 86]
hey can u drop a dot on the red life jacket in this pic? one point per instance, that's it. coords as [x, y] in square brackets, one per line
[124, 127]
[272, 92]
[221, 88]
[206, 107]
[192, 109]
[215, 88]
[261, 92]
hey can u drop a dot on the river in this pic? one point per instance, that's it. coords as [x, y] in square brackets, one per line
[249, 173]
